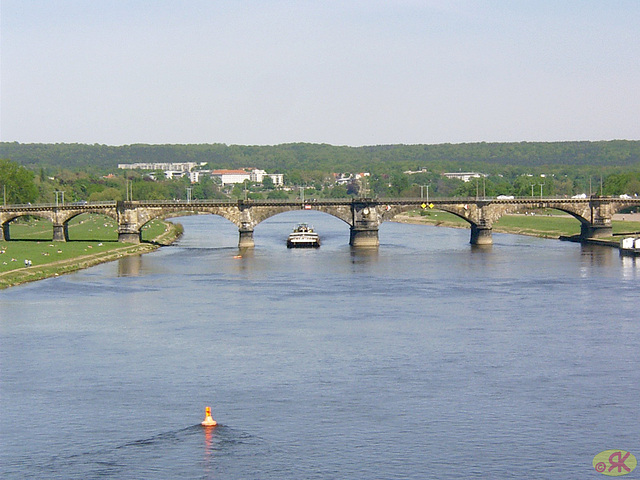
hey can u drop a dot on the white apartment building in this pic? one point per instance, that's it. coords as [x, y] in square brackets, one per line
[170, 166]
[228, 177]
[258, 175]
[464, 176]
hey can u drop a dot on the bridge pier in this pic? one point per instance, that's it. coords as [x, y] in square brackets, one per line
[595, 231]
[60, 233]
[481, 235]
[130, 237]
[364, 237]
[4, 232]
[246, 238]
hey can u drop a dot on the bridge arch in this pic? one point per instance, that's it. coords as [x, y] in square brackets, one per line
[364, 215]
[262, 215]
[7, 219]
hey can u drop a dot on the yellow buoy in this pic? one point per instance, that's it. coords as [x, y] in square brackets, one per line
[208, 421]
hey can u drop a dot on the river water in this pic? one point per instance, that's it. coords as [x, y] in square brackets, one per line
[424, 359]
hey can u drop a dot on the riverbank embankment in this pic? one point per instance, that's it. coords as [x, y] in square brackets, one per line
[556, 226]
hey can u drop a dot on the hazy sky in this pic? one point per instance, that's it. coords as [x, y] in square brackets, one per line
[344, 72]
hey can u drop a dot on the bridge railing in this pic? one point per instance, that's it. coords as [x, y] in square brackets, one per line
[313, 201]
[221, 201]
[26, 206]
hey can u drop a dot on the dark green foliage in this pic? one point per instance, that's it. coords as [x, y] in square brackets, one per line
[277, 195]
[17, 184]
[565, 168]
[308, 157]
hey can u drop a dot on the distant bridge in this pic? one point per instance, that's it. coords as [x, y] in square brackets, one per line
[363, 215]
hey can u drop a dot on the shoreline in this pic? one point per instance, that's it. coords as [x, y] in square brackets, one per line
[419, 220]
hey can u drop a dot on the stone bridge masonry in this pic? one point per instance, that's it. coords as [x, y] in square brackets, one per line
[363, 215]
[58, 215]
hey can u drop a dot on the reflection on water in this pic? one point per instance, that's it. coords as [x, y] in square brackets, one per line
[481, 248]
[130, 266]
[364, 255]
[630, 266]
[597, 255]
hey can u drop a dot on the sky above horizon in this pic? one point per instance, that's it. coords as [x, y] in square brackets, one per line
[342, 72]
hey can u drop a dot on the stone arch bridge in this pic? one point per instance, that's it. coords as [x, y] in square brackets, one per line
[363, 215]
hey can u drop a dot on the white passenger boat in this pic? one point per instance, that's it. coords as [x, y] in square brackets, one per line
[303, 236]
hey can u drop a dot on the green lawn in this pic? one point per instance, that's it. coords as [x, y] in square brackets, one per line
[553, 225]
[549, 223]
[83, 227]
[88, 234]
[546, 225]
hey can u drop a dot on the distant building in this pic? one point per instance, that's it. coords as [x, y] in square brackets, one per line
[165, 166]
[345, 178]
[229, 177]
[194, 176]
[413, 172]
[464, 176]
[171, 174]
[259, 175]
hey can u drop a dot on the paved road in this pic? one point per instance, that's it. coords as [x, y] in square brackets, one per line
[629, 217]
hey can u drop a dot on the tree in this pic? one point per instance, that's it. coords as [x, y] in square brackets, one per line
[339, 191]
[108, 194]
[17, 182]
[277, 194]
[633, 187]
[399, 183]
[267, 182]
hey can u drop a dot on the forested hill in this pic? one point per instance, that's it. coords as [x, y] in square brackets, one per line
[307, 156]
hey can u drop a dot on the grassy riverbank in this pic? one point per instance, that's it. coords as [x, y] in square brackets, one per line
[548, 224]
[93, 240]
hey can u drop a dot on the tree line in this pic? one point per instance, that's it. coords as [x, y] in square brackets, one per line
[306, 156]
[34, 172]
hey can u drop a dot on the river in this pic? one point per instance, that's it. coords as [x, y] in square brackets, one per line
[427, 358]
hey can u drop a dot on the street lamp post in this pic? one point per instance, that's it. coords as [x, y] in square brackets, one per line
[541, 185]
[188, 194]
[422, 192]
[58, 195]
[532, 185]
[601, 185]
